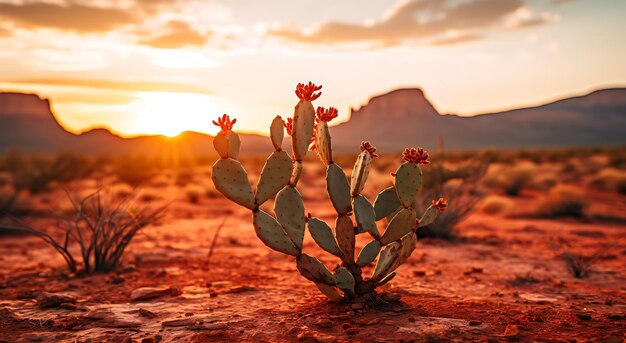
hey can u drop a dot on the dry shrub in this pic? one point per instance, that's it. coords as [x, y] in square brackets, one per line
[511, 179]
[580, 265]
[610, 179]
[562, 201]
[496, 205]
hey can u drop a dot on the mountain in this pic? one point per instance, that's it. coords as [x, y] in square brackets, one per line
[405, 117]
[27, 123]
[392, 121]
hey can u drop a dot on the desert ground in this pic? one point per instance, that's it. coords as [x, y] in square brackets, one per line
[500, 266]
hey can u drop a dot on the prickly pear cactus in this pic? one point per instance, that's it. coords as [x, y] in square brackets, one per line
[284, 232]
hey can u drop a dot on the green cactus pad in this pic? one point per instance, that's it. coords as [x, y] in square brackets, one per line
[232, 180]
[406, 247]
[344, 232]
[365, 216]
[277, 132]
[272, 234]
[360, 172]
[401, 224]
[323, 236]
[385, 261]
[220, 143]
[289, 210]
[323, 144]
[386, 203]
[345, 281]
[302, 131]
[408, 180]
[233, 144]
[429, 216]
[338, 189]
[314, 270]
[386, 279]
[330, 292]
[274, 176]
[296, 173]
[368, 253]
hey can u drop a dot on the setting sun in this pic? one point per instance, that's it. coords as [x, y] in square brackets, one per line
[169, 113]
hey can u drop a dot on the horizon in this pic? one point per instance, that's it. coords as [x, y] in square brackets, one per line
[166, 67]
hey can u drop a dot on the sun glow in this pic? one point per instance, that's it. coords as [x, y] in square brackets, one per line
[170, 114]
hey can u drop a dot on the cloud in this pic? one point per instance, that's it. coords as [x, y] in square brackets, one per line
[454, 40]
[139, 86]
[416, 21]
[179, 34]
[68, 17]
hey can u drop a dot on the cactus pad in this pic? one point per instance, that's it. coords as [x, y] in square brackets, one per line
[233, 144]
[401, 224]
[314, 270]
[302, 131]
[386, 279]
[385, 261]
[296, 173]
[429, 216]
[360, 172]
[344, 280]
[330, 292]
[338, 189]
[277, 132]
[386, 203]
[368, 253]
[344, 231]
[275, 174]
[231, 180]
[365, 216]
[322, 143]
[289, 210]
[272, 234]
[323, 236]
[407, 182]
[220, 143]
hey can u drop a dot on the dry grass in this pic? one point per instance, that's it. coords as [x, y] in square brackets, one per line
[496, 205]
[610, 179]
[510, 178]
[562, 201]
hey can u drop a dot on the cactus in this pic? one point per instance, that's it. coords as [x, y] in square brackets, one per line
[285, 232]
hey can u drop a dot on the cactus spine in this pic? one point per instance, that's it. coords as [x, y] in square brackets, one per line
[285, 232]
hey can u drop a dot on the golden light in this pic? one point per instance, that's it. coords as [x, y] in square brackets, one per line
[169, 113]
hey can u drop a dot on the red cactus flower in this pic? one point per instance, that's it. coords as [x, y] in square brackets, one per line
[415, 156]
[326, 114]
[289, 125]
[225, 123]
[370, 149]
[440, 204]
[306, 92]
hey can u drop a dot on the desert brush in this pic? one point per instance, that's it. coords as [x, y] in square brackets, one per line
[356, 215]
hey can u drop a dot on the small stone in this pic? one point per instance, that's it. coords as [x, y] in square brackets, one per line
[179, 322]
[511, 330]
[419, 273]
[391, 297]
[474, 322]
[357, 306]
[145, 293]
[47, 300]
[324, 323]
[148, 314]
[583, 316]
[321, 338]
[147, 340]
[477, 270]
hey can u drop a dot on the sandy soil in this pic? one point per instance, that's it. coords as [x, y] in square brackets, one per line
[501, 281]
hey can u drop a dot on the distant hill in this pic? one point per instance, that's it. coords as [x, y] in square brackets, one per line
[391, 121]
[405, 117]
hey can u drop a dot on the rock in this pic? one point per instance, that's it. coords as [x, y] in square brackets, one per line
[322, 338]
[147, 340]
[148, 314]
[179, 322]
[391, 297]
[214, 326]
[47, 300]
[145, 293]
[324, 323]
[511, 330]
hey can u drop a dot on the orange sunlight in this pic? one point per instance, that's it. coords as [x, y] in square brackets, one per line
[169, 113]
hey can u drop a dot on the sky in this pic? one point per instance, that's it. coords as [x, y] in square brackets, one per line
[167, 66]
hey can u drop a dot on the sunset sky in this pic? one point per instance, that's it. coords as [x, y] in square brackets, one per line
[164, 66]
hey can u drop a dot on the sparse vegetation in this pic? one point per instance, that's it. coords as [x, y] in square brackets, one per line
[580, 265]
[562, 201]
[102, 229]
[496, 205]
[511, 179]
